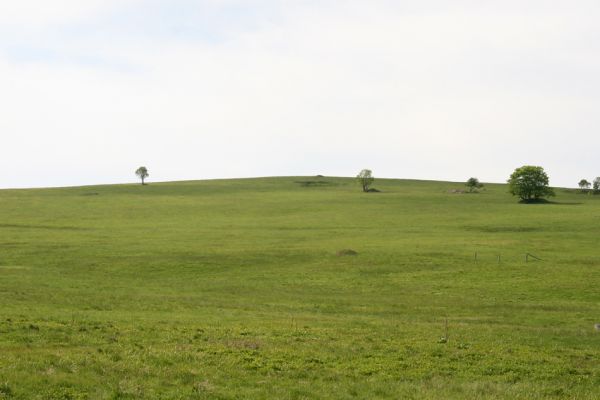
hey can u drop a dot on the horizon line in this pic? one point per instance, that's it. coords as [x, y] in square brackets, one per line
[249, 178]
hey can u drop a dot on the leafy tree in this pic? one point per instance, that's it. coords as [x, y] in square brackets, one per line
[596, 185]
[530, 183]
[365, 178]
[473, 184]
[142, 173]
[584, 184]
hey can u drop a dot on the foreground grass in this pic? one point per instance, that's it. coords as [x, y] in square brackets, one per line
[232, 289]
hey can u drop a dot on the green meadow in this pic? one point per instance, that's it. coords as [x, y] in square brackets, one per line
[234, 289]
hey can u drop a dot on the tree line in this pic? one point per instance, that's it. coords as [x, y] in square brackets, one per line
[585, 186]
[530, 183]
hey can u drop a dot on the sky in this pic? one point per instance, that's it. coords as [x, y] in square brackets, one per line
[421, 89]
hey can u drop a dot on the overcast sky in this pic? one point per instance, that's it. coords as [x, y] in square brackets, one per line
[428, 89]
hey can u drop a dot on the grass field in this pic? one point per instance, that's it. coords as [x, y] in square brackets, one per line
[232, 289]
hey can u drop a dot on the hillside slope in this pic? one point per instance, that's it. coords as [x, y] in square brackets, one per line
[233, 289]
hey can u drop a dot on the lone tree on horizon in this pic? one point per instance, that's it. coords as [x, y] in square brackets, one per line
[530, 183]
[584, 184]
[142, 173]
[365, 178]
[596, 185]
[473, 184]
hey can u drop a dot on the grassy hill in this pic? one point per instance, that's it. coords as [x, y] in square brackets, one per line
[233, 289]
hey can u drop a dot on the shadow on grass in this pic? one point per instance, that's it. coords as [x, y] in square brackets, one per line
[50, 227]
[546, 201]
[315, 183]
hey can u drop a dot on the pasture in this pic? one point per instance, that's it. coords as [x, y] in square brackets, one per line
[233, 289]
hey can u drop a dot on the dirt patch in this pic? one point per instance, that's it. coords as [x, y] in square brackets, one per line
[346, 252]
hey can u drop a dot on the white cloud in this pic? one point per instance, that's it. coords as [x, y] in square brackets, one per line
[35, 13]
[414, 89]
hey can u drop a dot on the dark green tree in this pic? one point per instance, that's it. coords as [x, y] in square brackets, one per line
[584, 184]
[596, 185]
[142, 173]
[530, 183]
[473, 184]
[365, 179]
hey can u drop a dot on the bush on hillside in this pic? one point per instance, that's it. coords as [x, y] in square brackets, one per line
[473, 184]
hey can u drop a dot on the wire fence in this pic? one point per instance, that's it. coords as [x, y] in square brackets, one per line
[527, 257]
